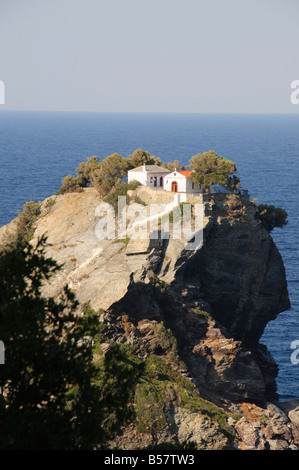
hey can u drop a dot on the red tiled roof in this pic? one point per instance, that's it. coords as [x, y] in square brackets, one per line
[186, 173]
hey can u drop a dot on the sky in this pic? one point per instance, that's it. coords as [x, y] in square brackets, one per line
[172, 56]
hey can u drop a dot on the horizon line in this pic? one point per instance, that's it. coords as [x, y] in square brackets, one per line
[148, 112]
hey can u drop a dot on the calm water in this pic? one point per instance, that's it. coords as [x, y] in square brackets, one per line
[38, 149]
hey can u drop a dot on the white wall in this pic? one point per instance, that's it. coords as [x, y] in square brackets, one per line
[193, 188]
[155, 177]
[147, 178]
[140, 176]
[185, 185]
[175, 177]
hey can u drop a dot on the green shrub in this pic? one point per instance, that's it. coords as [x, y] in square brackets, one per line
[50, 202]
[142, 157]
[87, 171]
[53, 394]
[25, 221]
[209, 168]
[272, 216]
[160, 388]
[70, 184]
[120, 189]
[201, 313]
[133, 185]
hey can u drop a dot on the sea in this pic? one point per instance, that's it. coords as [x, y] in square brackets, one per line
[38, 149]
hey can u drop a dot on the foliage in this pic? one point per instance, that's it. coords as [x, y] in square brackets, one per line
[133, 185]
[272, 216]
[125, 241]
[165, 342]
[117, 190]
[70, 184]
[118, 373]
[181, 214]
[101, 175]
[50, 202]
[141, 157]
[85, 177]
[159, 388]
[113, 168]
[233, 183]
[53, 395]
[138, 200]
[202, 314]
[160, 287]
[212, 169]
[86, 171]
[88, 323]
[175, 165]
[154, 395]
[25, 221]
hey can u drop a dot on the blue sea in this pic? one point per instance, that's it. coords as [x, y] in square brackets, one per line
[37, 149]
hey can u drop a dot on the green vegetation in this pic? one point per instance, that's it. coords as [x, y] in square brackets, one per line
[233, 183]
[87, 171]
[183, 212]
[120, 189]
[25, 221]
[202, 314]
[53, 394]
[110, 173]
[165, 342]
[117, 375]
[159, 388]
[175, 165]
[107, 175]
[101, 175]
[212, 169]
[272, 216]
[141, 157]
[70, 184]
[50, 202]
[138, 200]
[125, 241]
[58, 389]
[161, 287]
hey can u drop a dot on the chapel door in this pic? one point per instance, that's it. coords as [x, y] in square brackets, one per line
[174, 187]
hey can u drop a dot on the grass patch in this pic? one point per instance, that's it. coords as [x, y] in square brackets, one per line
[50, 202]
[202, 314]
[159, 388]
[125, 241]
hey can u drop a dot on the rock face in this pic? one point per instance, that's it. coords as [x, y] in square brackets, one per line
[94, 268]
[237, 277]
[217, 300]
[239, 269]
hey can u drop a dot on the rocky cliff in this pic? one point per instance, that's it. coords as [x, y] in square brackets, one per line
[199, 313]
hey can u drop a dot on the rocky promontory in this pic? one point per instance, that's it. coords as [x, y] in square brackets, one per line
[197, 315]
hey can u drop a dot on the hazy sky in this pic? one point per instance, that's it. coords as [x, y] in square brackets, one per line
[149, 56]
